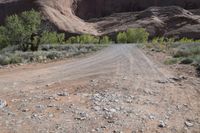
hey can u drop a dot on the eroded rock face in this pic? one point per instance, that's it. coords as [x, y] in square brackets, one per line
[169, 21]
[100, 8]
[99, 17]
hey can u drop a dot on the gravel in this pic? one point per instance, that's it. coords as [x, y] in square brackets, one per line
[3, 104]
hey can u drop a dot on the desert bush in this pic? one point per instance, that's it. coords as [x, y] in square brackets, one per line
[4, 60]
[158, 43]
[186, 40]
[158, 40]
[133, 35]
[105, 40]
[162, 43]
[3, 38]
[54, 55]
[197, 59]
[88, 39]
[45, 53]
[137, 35]
[122, 37]
[83, 39]
[73, 40]
[193, 51]
[14, 59]
[181, 53]
[10, 59]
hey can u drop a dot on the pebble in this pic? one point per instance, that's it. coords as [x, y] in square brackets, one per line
[125, 78]
[51, 105]
[129, 101]
[189, 124]
[178, 78]
[47, 85]
[40, 106]
[113, 110]
[97, 108]
[25, 110]
[162, 124]
[175, 78]
[115, 131]
[3, 103]
[82, 116]
[51, 115]
[62, 94]
[162, 81]
[152, 117]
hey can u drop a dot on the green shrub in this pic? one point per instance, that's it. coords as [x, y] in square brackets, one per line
[61, 38]
[181, 53]
[105, 40]
[88, 39]
[21, 30]
[137, 35]
[162, 43]
[14, 59]
[54, 55]
[131, 36]
[159, 40]
[187, 52]
[197, 59]
[194, 50]
[186, 40]
[3, 38]
[122, 37]
[73, 40]
[83, 39]
[52, 38]
[4, 60]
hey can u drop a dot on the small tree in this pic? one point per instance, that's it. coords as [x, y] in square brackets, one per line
[131, 36]
[73, 40]
[105, 40]
[122, 37]
[3, 38]
[142, 35]
[87, 39]
[23, 30]
[137, 35]
[52, 38]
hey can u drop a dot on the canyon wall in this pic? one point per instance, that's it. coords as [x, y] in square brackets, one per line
[99, 8]
[99, 17]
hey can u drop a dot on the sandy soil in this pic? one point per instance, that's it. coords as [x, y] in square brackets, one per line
[119, 89]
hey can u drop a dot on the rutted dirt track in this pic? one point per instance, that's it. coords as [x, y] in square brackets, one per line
[118, 89]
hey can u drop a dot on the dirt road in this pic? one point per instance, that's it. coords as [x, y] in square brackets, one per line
[118, 89]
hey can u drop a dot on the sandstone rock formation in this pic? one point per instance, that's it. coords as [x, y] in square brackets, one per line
[98, 17]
